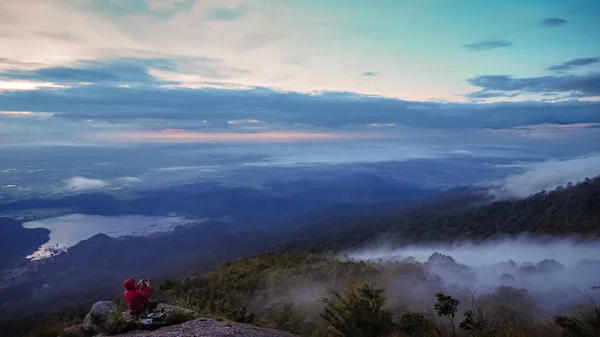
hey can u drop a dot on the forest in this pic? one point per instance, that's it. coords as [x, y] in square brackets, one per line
[466, 214]
[318, 294]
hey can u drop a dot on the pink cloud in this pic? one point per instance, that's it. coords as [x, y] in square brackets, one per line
[185, 136]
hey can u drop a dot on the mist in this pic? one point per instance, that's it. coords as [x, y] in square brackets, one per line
[547, 175]
[552, 271]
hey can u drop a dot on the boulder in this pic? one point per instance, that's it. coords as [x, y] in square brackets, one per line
[74, 331]
[95, 320]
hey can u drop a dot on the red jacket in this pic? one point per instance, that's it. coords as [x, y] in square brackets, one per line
[136, 299]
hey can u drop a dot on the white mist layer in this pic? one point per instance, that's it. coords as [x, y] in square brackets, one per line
[553, 284]
[547, 176]
[521, 250]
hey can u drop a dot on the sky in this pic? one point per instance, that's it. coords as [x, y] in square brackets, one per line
[316, 78]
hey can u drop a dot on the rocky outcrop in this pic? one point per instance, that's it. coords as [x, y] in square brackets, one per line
[95, 320]
[204, 327]
[163, 316]
[75, 331]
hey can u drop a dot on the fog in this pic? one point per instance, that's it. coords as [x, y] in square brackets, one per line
[547, 175]
[552, 271]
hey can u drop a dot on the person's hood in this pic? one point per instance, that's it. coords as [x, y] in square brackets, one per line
[129, 284]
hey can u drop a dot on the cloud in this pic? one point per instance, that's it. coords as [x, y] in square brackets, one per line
[573, 64]
[227, 13]
[261, 41]
[587, 85]
[21, 114]
[369, 74]
[183, 108]
[12, 85]
[167, 5]
[122, 71]
[462, 153]
[183, 136]
[76, 184]
[548, 175]
[130, 180]
[243, 121]
[553, 22]
[489, 94]
[561, 265]
[196, 71]
[487, 45]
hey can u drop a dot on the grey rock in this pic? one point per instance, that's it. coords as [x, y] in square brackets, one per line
[75, 330]
[205, 327]
[95, 320]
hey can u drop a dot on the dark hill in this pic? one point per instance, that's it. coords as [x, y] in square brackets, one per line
[17, 242]
[466, 215]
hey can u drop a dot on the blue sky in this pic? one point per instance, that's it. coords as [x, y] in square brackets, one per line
[119, 73]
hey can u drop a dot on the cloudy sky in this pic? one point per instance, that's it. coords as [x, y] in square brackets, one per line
[417, 77]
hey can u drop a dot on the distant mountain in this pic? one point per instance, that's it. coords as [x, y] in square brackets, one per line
[255, 207]
[16, 242]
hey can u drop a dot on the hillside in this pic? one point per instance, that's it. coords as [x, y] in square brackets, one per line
[456, 215]
[16, 242]
[572, 211]
[286, 292]
[262, 284]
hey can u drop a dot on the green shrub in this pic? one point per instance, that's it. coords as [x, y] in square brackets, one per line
[415, 324]
[117, 324]
[358, 313]
[178, 317]
[241, 315]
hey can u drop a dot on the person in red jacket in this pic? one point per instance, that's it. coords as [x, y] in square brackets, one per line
[137, 300]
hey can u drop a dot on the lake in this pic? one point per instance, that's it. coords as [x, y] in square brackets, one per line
[68, 230]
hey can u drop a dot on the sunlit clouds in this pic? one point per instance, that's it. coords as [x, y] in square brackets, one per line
[27, 85]
[185, 136]
[289, 45]
[26, 114]
[111, 73]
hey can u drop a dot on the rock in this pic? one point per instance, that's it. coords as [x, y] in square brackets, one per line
[74, 331]
[204, 327]
[95, 320]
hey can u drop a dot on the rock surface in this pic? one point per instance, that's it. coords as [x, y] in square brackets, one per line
[74, 331]
[163, 312]
[204, 327]
[95, 320]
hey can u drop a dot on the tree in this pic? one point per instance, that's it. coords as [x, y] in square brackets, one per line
[447, 305]
[414, 324]
[586, 325]
[358, 313]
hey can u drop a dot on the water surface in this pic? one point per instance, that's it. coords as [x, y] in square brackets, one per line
[68, 230]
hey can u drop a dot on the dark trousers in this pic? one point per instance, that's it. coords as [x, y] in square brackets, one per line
[148, 306]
